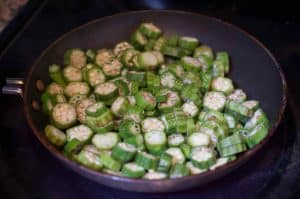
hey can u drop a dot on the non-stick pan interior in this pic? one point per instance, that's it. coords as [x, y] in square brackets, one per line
[252, 67]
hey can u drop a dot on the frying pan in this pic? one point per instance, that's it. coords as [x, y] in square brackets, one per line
[253, 68]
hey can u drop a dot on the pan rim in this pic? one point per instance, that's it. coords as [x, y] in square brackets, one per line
[241, 159]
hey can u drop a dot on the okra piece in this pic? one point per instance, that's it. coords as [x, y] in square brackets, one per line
[138, 40]
[147, 61]
[168, 80]
[172, 101]
[191, 63]
[252, 105]
[218, 69]
[135, 113]
[175, 52]
[222, 84]
[77, 88]
[75, 57]
[106, 91]
[128, 128]
[152, 82]
[123, 152]
[206, 63]
[256, 135]
[211, 115]
[73, 147]
[58, 98]
[186, 149]
[95, 76]
[63, 115]
[230, 141]
[80, 132]
[237, 95]
[90, 55]
[232, 150]
[121, 47]
[222, 161]
[89, 157]
[175, 140]
[165, 163]
[172, 40]
[127, 57]
[206, 79]
[259, 117]
[152, 124]
[133, 170]
[105, 141]
[203, 157]
[145, 100]
[194, 170]
[190, 93]
[101, 123]
[192, 78]
[203, 50]
[176, 154]
[146, 160]
[150, 30]
[149, 45]
[190, 109]
[104, 56]
[198, 139]
[123, 87]
[238, 111]
[139, 77]
[55, 88]
[156, 142]
[96, 109]
[119, 106]
[81, 103]
[72, 74]
[56, 75]
[231, 123]
[108, 162]
[224, 58]
[189, 43]
[176, 69]
[47, 103]
[214, 101]
[178, 171]
[112, 69]
[153, 175]
[55, 135]
[159, 56]
[159, 44]
[136, 140]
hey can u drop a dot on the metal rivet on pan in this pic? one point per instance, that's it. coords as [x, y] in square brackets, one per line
[40, 85]
[35, 105]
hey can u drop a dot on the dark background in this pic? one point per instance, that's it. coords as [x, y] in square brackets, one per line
[27, 170]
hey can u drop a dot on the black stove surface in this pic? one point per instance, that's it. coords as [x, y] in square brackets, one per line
[27, 170]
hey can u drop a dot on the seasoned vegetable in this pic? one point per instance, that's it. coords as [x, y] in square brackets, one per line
[133, 170]
[63, 115]
[146, 160]
[55, 136]
[75, 57]
[153, 107]
[89, 157]
[56, 75]
[156, 142]
[123, 152]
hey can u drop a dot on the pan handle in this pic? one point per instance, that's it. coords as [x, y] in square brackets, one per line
[13, 86]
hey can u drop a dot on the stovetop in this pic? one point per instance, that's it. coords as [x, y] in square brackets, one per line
[27, 170]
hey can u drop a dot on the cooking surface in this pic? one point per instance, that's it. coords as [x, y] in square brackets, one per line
[27, 170]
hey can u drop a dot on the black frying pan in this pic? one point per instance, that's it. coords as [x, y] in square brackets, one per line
[253, 68]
